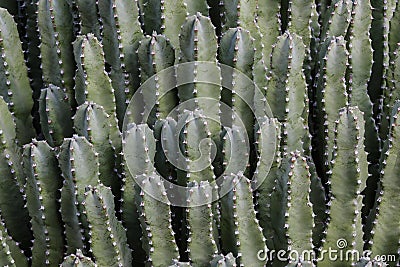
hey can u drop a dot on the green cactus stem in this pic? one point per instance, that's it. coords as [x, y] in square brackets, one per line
[287, 91]
[76, 176]
[156, 54]
[246, 236]
[55, 25]
[107, 236]
[55, 115]
[12, 195]
[16, 89]
[236, 50]
[331, 94]
[139, 151]
[77, 260]
[94, 124]
[385, 233]
[10, 253]
[91, 75]
[130, 33]
[43, 194]
[198, 42]
[223, 261]
[348, 177]
[299, 213]
[201, 244]
[155, 217]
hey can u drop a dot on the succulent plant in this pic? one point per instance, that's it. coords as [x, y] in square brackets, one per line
[199, 133]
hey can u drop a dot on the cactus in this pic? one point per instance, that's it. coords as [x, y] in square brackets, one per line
[10, 253]
[347, 179]
[223, 261]
[43, 193]
[107, 236]
[382, 241]
[299, 207]
[198, 42]
[155, 55]
[55, 115]
[95, 125]
[12, 194]
[331, 94]
[287, 84]
[246, 234]
[201, 244]
[90, 56]
[76, 178]
[129, 132]
[154, 216]
[16, 90]
[55, 25]
[77, 260]
[236, 51]
[139, 150]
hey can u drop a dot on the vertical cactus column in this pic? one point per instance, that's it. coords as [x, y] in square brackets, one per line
[268, 137]
[197, 147]
[287, 92]
[348, 177]
[299, 212]
[107, 236]
[129, 32]
[88, 17]
[10, 253]
[198, 42]
[175, 13]
[390, 40]
[155, 217]
[243, 14]
[201, 245]
[236, 51]
[94, 83]
[337, 19]
[43, 195]
[155, 55]
[331, 95]
[77, 176]
[110, 40]
[94, 124]
[15, 87]
[269, 22]
[12, 195]
[55, 115]
[247, 237]
[386, 233]
[139, 150]
[55, 24]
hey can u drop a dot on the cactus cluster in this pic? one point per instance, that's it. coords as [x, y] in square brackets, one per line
[199, 133]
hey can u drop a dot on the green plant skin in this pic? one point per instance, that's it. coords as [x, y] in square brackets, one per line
[10, 253]
[348, 177]
[15, 89]
[107, 236]
[43, 186]
[77, 260]
[55, 115]
[55, 26]
[385, 231]
[155, 217]
[77, 177]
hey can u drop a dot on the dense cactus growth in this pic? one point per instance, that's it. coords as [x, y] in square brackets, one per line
[199, 133]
